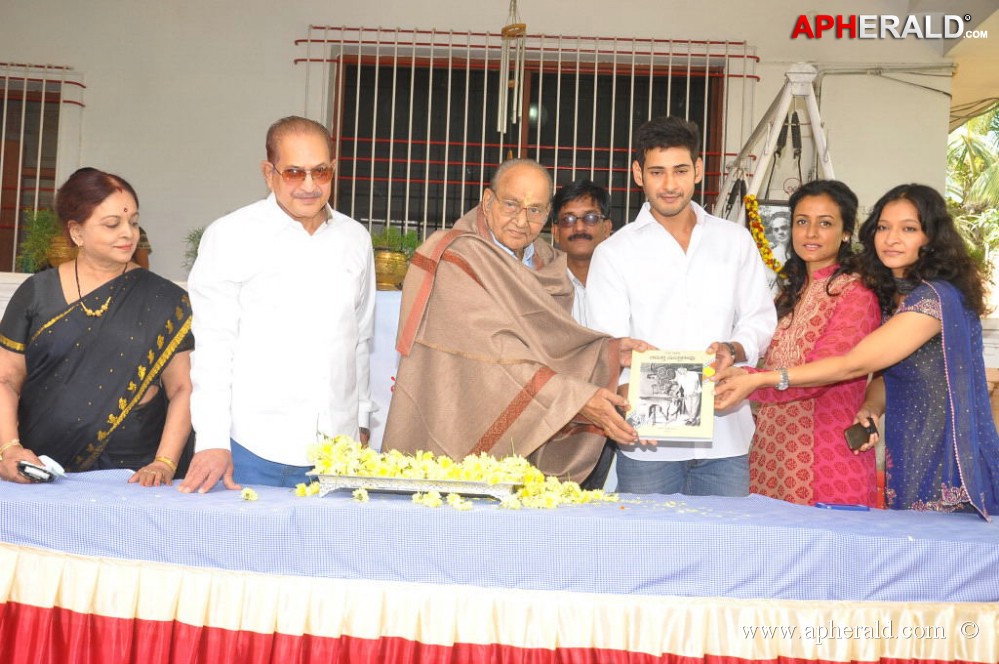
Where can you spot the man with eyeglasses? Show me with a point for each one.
(580, 221)
(283, 293)
(492, 361)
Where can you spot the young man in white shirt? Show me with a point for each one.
(682, 280)
(283, 293)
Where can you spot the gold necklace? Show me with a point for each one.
(93, 313)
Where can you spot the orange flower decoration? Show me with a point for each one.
(759, 234)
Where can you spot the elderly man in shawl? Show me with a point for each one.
(492, 360)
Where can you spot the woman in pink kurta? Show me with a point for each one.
(799, 453)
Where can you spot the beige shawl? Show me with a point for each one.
(491, 359)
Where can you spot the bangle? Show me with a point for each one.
(785, 380)
(14, 442)
(168, 461)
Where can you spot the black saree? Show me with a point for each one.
(82, 400)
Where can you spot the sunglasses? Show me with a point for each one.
(320, 174)
(590, 219)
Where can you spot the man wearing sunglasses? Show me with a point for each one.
(778, 230)
(283, 294)
(491, 359)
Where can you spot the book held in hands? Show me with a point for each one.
(669, 396)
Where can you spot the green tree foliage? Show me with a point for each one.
(973, 184)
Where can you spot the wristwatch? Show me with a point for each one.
(731, 349)
(785, 380)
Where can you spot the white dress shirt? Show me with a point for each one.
(643, 285)
(578, 299)
(283, 322)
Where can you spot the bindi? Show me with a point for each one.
(126, 210)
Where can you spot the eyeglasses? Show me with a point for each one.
(320, 174)
(510, 209)
(590, 219)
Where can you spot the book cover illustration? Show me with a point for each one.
(670, 397)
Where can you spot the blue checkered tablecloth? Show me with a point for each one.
(751, 547)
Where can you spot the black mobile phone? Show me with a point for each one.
(34, 473)
(858, 434)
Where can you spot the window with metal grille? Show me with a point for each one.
(419, 128)
(32, 99)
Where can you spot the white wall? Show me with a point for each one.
(180, 93)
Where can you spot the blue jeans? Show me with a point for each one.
(249, 469)
(698, 477)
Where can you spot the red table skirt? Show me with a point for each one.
(57, 608)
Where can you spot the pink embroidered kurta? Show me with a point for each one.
(799, 453)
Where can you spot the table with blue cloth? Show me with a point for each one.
(93, 568)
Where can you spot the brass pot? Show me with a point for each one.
(60, 251)
(390, 269)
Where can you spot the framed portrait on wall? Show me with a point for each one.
(776, 217)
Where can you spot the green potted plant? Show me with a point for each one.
(393, 249)
(43, 243)
(191, 243)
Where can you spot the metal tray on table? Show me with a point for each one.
(498, 491)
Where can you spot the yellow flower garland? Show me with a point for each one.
(759, 234)
(344, 456)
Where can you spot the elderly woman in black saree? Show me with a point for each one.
(95, 354)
